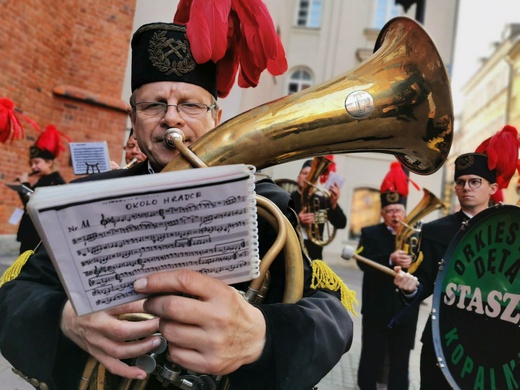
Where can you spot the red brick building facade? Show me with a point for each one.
(63, 63)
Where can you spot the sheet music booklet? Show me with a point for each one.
(103, 235)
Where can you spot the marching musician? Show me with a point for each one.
(44, 172)
(209, 326)
(335, 214)
(380, 302)
(133, 154)
(478, 176)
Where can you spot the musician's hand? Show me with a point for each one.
(401, 258)
(114, 165)
(105, 337)
(23, 178)
(210, 328)
(405, 281)
(334, 195)
(305, 217)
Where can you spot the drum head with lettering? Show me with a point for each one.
(476, 303)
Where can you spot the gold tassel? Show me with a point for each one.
(14, 270)
(324, 277)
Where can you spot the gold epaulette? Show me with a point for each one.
(324, 277)
(14, 270)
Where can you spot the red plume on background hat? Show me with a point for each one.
(502, 154)
(331, 168)
(49, 144)
(394, 188)
(238, 35)
(11, 127)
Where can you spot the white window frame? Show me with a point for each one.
(296, 78)
(309, 13)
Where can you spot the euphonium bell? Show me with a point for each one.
(397, 102)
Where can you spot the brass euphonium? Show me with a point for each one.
(408, 236)
(396, 102)
(317, 201)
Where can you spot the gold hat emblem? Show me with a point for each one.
(170, 55)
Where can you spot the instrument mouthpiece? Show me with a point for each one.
(347, 252)
(171, 135)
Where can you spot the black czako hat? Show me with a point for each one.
(161, 52)
(474, 164)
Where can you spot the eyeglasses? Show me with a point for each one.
(156, 109)
(393, 211)
(472, 183)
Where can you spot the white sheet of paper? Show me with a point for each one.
(16, 216)
(103, 235)
(334, 178)
(89, 157)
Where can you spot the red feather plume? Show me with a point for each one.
(11, 127)
(238, 35)
(395, 180)
(502, 152)
(51, 140)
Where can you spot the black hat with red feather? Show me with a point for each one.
(48, 145)
(495, 159)
(394, 187)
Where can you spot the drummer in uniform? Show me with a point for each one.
(477, 178)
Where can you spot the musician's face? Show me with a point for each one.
(132, 150)
(41, 167)
(474, 200)
(303, 176)
(149, 130)
(392, 214)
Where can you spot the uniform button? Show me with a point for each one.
(43, 386)
(35, 382)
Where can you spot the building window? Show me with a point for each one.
(299, 80)
(309, 13)
(385, 10)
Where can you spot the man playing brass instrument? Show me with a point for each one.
(209, 326)
(335, 214)
(380, 301)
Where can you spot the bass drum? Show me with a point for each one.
(476, 303)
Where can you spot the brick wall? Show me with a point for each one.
(63, 63)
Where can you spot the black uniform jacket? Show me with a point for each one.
(27, 233)
(304, 340)
(380, 299)
(435, 239)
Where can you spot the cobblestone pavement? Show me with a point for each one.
(343, 376)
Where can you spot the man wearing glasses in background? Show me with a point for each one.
(477, 179)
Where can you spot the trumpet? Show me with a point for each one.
(131, 163)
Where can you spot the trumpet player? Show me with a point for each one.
(208, 325)
(380, 302)
(133, 154)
